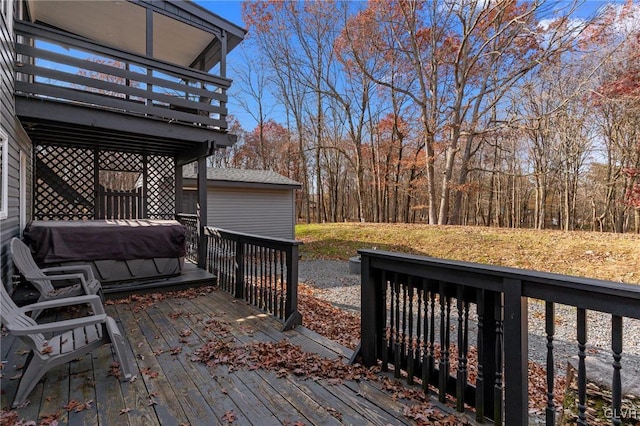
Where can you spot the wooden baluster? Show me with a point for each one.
(405, 325)
(221, 245)
(397, 334)
(255, 277)
(268, 281)
(410, 343)
(245, 266)
(283, 285)
(227, 247)
(463, 341)
(256, 274)
(497, 388)
(582, 372)
(425, 338)
(420, 348)
(616, 384)
(219, 270)
(480, 386)
(221, 263)
(388, 318)
(263, 278)
(274, 278)
(231, 262)
(273, 295)
(550, 330)
(259, 276)
(432, 337)
(445, 313)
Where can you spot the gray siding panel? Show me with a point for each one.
(261, 212)
(18, 140)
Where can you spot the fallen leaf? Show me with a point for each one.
(148, 372)
(229, 416)
(49, 419)
(78, 406)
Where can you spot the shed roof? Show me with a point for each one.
(243, 176)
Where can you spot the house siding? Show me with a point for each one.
(18, 141)
(269, 213)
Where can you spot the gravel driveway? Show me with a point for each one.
(334, 284)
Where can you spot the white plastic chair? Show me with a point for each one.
(70, 339)
(43, 278)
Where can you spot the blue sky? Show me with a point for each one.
(227, 9)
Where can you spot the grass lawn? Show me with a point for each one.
(589, 254)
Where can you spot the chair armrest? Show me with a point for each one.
(65, 325)
(86, 269)
(60, 278)
(65, 277)
(93, 300)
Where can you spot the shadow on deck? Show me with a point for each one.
(164, 335)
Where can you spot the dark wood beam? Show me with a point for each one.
(219, 140)
(29, 108)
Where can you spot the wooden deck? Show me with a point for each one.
(171, 389)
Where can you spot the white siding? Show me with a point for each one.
(269, 213)
(18, 141)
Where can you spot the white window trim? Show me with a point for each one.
(4, 190)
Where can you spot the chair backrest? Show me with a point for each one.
(11, 314)
(28, 267)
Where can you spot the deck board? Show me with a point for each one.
(188, 392)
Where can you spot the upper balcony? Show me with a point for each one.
(123, 72)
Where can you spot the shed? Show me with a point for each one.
(260, 202)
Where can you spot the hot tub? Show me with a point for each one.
(117, 250)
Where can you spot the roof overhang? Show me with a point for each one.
(183, 33)
(212, 183)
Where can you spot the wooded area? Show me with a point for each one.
(495, 113)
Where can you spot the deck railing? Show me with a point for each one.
(261, 270)
(58, 66)
(190, 222)
(411, 305)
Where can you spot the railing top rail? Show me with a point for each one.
(37, 30)
(187, 215)
(250, 237)
(606, 296)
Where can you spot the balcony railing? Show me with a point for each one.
(411, 305)
(261, 270)
(59, 66)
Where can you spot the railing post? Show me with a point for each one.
(487, 304)
(368, 321)
(202, 247)
(291, 313)
(201, 211)
(239, 287)
(515, 354)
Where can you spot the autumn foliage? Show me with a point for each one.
(510, 113)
